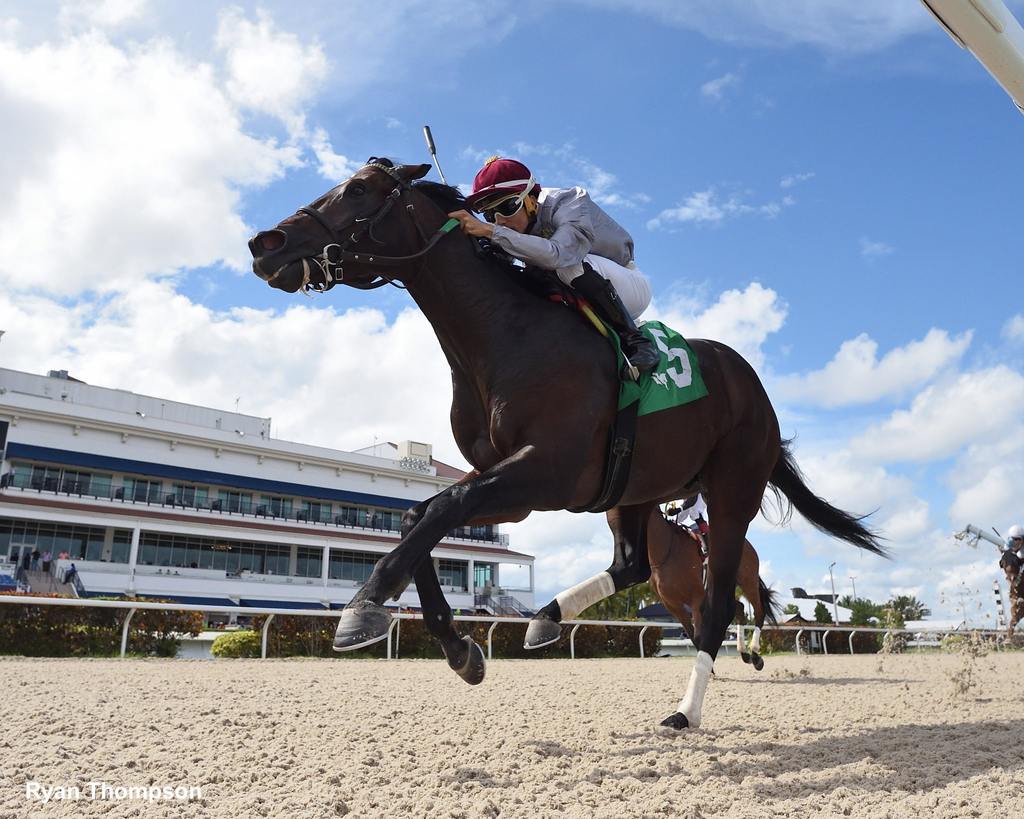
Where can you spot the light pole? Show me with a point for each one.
(853, 580)
(835, 608)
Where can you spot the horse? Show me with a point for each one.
(1011, 566)
(534, 397)
(677, 578)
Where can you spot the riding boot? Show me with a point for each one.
(638, 349)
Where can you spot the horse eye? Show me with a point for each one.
(356, 189)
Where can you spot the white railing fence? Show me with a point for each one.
(393, 633)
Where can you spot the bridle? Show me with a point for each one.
(331, 259)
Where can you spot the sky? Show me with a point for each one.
(831, 188)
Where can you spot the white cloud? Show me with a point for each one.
(707, 207)
(563, 166)
(126, 163)
(269, 70)
(974, 407)
(873, 250)
(716, 89)
(857, 376)
(795, 179)
(743, 319)
(834, 25)
(1013, 330)
(988, 479)
(154, 340)
(331, 165)
(100, 13)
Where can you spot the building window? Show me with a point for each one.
(309, 562)
(350, 516)
(121, 548)
(235, 501)
(317, 511)
(452, 573)
(483, 575)
(186, 494)
(46, 478)
(141, 490)
(355, 566)
(231, 556)
(77, 542)
(279, 507)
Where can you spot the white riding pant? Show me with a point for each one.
(631, 285)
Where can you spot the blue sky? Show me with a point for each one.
(833, 190)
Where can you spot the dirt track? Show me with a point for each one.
(826, 736)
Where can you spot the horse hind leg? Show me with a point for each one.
(733, 504)
(741, 622)
(755, 649)
(630, 565)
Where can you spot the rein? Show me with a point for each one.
(334, 254)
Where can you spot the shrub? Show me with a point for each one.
(237, 644)
(83, 631)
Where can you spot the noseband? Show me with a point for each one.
(335, 253)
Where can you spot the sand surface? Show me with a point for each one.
(820, 736)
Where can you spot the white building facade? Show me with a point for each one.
(154, 498)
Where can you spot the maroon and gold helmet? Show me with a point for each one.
(500, 179)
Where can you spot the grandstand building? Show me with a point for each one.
(154, 498)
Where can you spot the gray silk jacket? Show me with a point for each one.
(569, 225)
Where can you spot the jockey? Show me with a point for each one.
(564, 231)
(695, 509)
(1015, 540)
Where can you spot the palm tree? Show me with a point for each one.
(908, 607)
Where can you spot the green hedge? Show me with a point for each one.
(237, 644)
(298, 636)
(85, 631)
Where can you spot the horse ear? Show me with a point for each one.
(411, 172)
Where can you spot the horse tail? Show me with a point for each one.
(787, 479)
(769, 603)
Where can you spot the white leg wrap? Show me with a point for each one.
(755, 641)
(583, 595)
(690, 705)
(740, 647)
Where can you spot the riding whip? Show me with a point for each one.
(433, 151)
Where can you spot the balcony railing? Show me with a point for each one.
(149, 496)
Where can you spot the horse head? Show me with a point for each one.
(339, 237)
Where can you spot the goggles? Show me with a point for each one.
(508, 208)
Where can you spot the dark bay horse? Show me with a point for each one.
(677, 569)
(1012, 568)
(534, 393)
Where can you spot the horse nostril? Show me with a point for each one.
(268, 241)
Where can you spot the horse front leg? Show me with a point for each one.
(507, 488)
(630, 565)
(463, 654)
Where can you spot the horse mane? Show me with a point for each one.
(450, 199)
(444, 196)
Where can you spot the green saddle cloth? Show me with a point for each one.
(674, 382)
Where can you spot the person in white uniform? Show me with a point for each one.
(567, 232)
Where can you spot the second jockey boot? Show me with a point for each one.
(600, 292)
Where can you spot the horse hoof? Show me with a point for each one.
(361, 624)
(745, 657)
(677, 722)
(542, 632)
(757, 661)
(474, 668)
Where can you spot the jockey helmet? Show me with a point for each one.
(1015, 532)
(500, 179)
